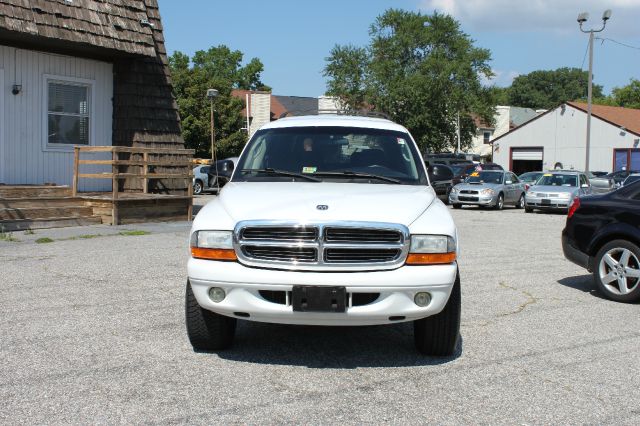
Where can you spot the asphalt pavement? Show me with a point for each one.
(92, 332)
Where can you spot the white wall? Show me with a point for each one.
(26, 159)
(562, 134)
(260, 109)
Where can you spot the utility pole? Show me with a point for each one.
(458, 132)
(582, 18)
(211, 94)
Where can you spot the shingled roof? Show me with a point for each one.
(629, 118)
(120, 25)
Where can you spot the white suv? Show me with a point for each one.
(327, 220)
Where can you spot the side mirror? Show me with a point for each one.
(439, 173)
(230, 166)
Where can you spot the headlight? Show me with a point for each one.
(453, 190)
(431, 250)
(564, 195)
(487, 191)
(213, 245)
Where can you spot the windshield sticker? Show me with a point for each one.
(475, 174)
(401, 141)
(309, 169)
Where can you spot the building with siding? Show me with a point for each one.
(557, 139)
(506, 118)
(81, 72)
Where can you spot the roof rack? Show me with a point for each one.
(356, 113)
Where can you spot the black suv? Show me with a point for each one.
(602, 234)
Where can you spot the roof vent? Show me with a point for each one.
(146, 23)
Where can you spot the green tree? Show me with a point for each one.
(218, 68)
(422, 71)
(549, 88)
(627, 96)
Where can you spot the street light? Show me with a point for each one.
(211, 94)
(582, 18)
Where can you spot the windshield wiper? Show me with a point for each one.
(271, 171)
(350, 173)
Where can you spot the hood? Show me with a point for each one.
(346, 201)
(477, 186)
(553, 188)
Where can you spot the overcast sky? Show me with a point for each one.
(293, 37)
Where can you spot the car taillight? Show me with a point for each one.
(575, 205)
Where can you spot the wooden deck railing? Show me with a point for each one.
(177, 160)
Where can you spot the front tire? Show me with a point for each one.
(438, 335)
(528, 210)
(457, 206)
(499, 202)
(520, 203)
(616, 271)
(197, 187)
(207, 330)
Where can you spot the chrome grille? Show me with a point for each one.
(287, 254)
(351, 255)
(321, 246)
(362, 235)
(298, 233)
(468, 191)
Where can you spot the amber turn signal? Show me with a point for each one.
(213, 254)
(431, 258)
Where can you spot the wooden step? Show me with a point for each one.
(30, 191)
(32, 213)
(21, 203)
(59, 222)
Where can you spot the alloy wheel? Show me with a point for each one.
(619, 271)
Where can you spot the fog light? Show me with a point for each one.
(216, 294)
(422, 299)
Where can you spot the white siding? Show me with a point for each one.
(26, 159)
(3, 89)
(562, 135)
(260, 111)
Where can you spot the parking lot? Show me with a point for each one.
(92, 331)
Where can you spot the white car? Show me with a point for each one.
(327, 220)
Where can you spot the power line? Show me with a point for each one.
(617, 42)
(585, 55)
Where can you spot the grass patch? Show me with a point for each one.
(133, 233)
(7, 236)
(89, 236)
(29, 232)
(44, 240)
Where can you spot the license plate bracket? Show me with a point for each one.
(306, 298)
(546, 202)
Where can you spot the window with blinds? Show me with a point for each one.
(68, 113)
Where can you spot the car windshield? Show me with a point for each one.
(459, 168)
(558, 180)
(315, 154)
(485, 177)
(530, 177)
(631, 179)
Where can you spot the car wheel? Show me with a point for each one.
(197, 187)
(499, 202)
(438, 335)
(207, 330)
(520, 203)
(457, 206)
(617, 271)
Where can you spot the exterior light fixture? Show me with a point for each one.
(16, 89)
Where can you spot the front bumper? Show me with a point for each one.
(547, 203)
(396, 289)
(473, 199)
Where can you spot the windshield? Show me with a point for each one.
(631, 179)
(530, 177)
(485, 177)
(458, 169)
(331, 154)
(558, 180)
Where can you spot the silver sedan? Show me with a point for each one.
(489, 188)
(556, 191)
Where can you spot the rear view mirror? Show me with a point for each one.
(439, 173)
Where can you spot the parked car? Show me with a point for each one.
(599, 174)
(620, 175)
(448, 158)
(206, 179)
(530, 178)
(631, 179)
(555, 190)
(461, 172)
(601, 184)
(488, 188)
(441, 178)
(489, 166)
(602, 235)
(327, 220)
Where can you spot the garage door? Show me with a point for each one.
(534, 154)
